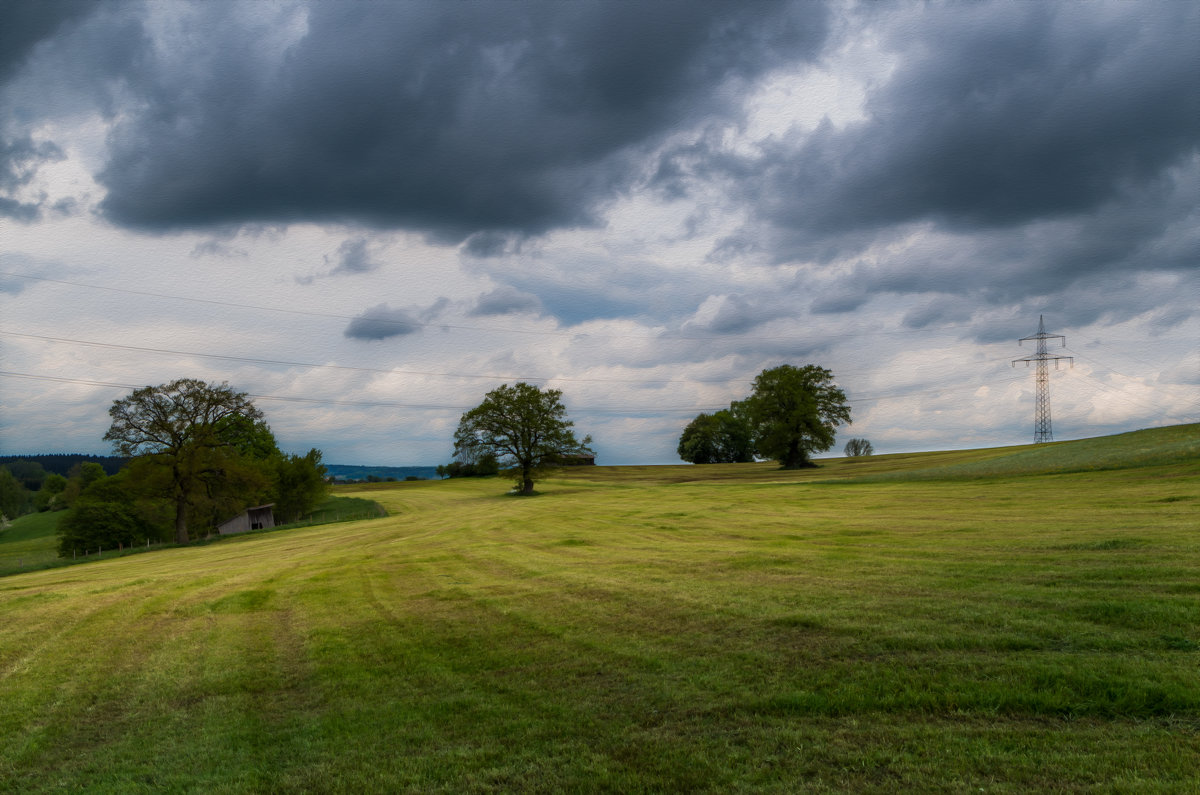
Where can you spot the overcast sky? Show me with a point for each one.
(370, 214)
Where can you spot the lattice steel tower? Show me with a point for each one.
(1041, 409)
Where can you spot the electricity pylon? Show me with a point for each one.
(1041, 409)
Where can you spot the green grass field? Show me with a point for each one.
(29, 543)
(998, 620)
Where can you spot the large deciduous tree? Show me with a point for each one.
(723, 437)
(525, 427)
(180, 426)
(794, 412)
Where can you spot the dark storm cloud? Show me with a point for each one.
(25, 23)
(381, 322)
(1032, 144)
(998, 115)
(1019, 154)
(19, 161)
(506, 301)
(33, 31)
(446, 117)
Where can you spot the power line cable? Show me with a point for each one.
(1111, 369)
(491, 330)
(358, 403)
(389, 371)
(1125, 354)
(1125, 397)
(424, 406)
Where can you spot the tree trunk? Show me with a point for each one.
(796, 457)
(181, 531)
(526, 480)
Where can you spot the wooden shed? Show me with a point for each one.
(257, 518)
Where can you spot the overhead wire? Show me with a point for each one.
(388, 371)
(450, 407)
(354, 403)
(1193, 404)
(480, 376)
(1124, 396)
(488, 329)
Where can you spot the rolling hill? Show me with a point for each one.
(1008, 620)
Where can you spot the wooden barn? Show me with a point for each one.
(257, 518)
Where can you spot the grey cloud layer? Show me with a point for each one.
(381, 322)
(999, 115)
(447, 118)
(353, 257)
(505, 301)
(1015, 150)
(24, 24)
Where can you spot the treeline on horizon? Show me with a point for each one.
(47, 481)
(38, 482)
(61, 463)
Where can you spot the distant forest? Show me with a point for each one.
(61, 463)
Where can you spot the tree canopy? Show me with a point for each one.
(207, 449)
(179, 426)
(14, 497)
(723, 437)
(525, 427)
(858, 448)
(794, 412)
(113, 512)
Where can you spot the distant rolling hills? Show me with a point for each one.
(349, 472)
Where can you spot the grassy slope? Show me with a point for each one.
(639, 629)
(29, 542)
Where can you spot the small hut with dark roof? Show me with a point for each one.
(257, 518)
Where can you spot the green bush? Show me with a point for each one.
(106, 525)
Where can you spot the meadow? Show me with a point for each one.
(999, 620)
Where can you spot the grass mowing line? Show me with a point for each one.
(740, 636)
